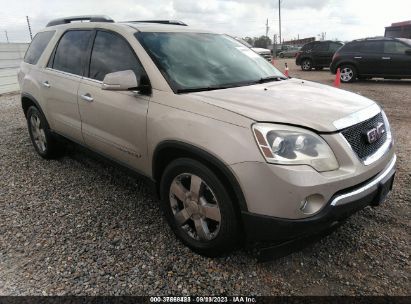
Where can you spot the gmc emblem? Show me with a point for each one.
(375, 133)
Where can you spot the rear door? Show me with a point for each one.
(113, 122)
(369, 58)
(321, 54)
(61, 80)
(395, 61)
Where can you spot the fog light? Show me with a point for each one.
(312, 204)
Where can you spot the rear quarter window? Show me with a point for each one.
(334, 46)
(350, 48)
(37, 47)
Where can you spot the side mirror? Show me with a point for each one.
(120, 81)
(408, 52)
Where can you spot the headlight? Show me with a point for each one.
(287, 145)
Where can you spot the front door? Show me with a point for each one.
(321, 54)
(113, 122)
(370, 57)
(396, 62)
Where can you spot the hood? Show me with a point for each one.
(292, 101)
(261, 50)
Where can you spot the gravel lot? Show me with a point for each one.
(79, 226)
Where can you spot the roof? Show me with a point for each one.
(374, 38)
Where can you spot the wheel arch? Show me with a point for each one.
(27, 101)
(169, 150)
(352, 63)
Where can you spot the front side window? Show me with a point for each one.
(37, 46)
(394, 47)
(334, 46)
(203, 61)
(111, 53)
(70, 53)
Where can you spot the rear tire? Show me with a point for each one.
(348, 73)
(198, 208)
(42, 139)
(306, 65)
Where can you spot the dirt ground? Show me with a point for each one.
(79, 226)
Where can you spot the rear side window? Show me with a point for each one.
(37, 47)
(394, 47)
(307, 47)
(321, 47)
(70, 53)
(112, 53)
(371, 46)
(351, 47)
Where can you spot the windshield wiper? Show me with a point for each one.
(210, 88)
(232, 85)
(271, 78)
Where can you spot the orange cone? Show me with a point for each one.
(337, 81)
(286, 70)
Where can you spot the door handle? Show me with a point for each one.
(46, 84)
(87, 97)
(358, 57)
(386, 58)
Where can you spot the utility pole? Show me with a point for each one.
(279, 19)
(7, 37)
(28, 24)
(266, 28)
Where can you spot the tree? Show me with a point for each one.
(249, 40)
(262, 42)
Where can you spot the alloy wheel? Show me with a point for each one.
(306, 65)
(37, 131)
(347, 74)
(195, 207)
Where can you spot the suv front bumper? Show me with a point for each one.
(260, 228)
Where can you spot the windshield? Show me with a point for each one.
(405, 40)
(199, 61)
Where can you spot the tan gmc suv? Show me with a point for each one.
(239, 153)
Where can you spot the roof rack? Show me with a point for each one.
(374, 38)
(90, 18)
(171, 22)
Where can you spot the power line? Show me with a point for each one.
(28, 24)
(279, 18)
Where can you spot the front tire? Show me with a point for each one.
(306, 65)
(348, 73)
(43, 141)
(198, 208)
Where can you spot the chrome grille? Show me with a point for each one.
(357, 137)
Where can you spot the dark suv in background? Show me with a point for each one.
(317, 54)
(373, 57)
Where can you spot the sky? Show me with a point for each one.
(340, 19)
